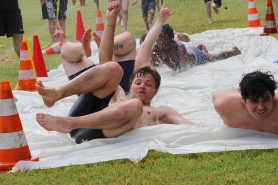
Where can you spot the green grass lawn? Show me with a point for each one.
(233, 167)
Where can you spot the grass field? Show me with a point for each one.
(233, 167)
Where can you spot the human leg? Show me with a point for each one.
(223, 54)
(208, 10)
(17, 38)
(100, 81)
(124, 13)
(72, 54)
(151, 8)
(114, 120)
(97, 4)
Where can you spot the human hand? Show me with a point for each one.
(164, 13)
(134, 2)
(82, 2)
(59, 31)
(41, 2)
(113, 10)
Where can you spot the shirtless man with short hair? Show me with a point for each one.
(253, 106)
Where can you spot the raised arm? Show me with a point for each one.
(107, 41)
(144, 52)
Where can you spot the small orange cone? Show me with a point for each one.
(253, 17)
(99, 24)
(13, 145)
(26, 79)
(54, 49)
(38, 58)
(270, 24)
(80, 30)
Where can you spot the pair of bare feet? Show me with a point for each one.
(204, 49)
(86, 39)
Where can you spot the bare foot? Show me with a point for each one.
(60, 34)
(97, 39)
(86, 40)
(215, 8)
(181, 37)
(236, 50)
(48, 94)
(210, 20)
(119, 22)
(54, 123)
(203, 48)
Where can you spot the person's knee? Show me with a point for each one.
(124, 43)
(114, 69)
(133, 107)
(124, 11)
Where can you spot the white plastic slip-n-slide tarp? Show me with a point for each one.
(188, 92)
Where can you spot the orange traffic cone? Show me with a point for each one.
(99, 24)
(80, 30)
(253, 17)
(26, 79)
(270, 24)
(54, 49)
(13, 145)
(38, 58)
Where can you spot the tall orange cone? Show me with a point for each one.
(99, 24)
(54, 49)
(13, 145)
(80, 30)
(253, 17)
(26, 79)
(38, 58)
(270, 24)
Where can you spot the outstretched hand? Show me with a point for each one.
(164, 13)
(113, 9)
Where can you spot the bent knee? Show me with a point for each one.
(113, 68)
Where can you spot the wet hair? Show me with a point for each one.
(145, 70)
(257, 84)
(142, 38)
(168, 31)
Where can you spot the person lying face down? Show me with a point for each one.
(102, 109)
(170, 51)
(253, 106)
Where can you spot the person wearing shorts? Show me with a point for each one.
(176, 56)
(11, 23)
(49, 12)
(216, 5)
(148, 6)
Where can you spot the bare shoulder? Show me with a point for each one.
(226, 98)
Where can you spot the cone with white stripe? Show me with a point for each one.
(270, 24)
(26, 75)
(54, 49)
(253, 17)
(99, 24)
(13, 145)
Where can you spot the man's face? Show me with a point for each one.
(143, 88)
(261, 108)
(161, 41)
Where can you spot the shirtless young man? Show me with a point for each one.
(105, 110)
(253, 106)
(176, 56)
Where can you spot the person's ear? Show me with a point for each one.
(243, 100)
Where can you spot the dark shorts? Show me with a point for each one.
(200, 56)
(84, 105)
(128, 68)
(49, 9)
(146, 6)
(11, 22)
(218, 2)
